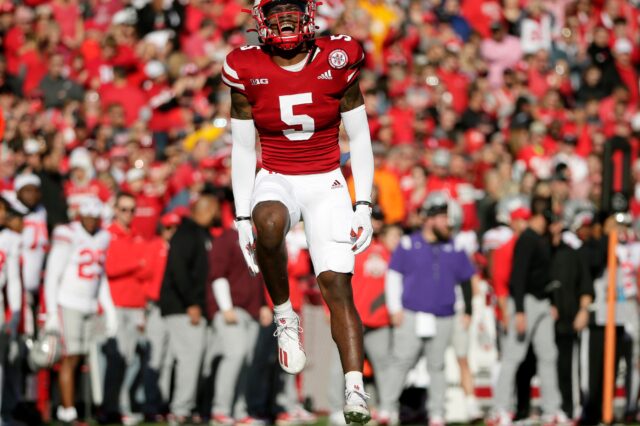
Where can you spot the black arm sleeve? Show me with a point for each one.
(522, 254)
(467, 296)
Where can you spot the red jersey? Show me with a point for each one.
(156, 255)
(502, 263)
(297, 113)
(368, 285)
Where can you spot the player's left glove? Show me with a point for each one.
(361, 230)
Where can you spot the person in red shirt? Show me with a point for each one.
(149, 205)
(33, 63)
(440, 178)
(68, 15)
(14, 40)
(157, 371)
(128, 270)
(455, 82)
(627, 74)
(481, 14)
(195, 46)
(131, 97)
(533, 154)
(501, 265)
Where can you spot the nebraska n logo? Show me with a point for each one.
(325, 75)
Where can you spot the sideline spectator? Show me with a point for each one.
(182, 300)
(422, 309)
(157, 369)
(572, 298)
(235, 310)
(127, 270)
(533, 319)
(35, 237)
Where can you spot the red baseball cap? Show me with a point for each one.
(170, 219)
(521, 213)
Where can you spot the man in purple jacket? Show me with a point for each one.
(420, 290)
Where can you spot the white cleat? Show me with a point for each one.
(290, 352)
(355, 407)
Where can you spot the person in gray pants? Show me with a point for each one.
(532, 319)
(378, 349)
(420, 290)
(236, 304)
(182, 300)
(159, 361)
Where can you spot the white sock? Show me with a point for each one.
(284, 310)
(353, 380)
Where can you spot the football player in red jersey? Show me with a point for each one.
(295, 89)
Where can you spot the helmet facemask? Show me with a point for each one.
(285, 24)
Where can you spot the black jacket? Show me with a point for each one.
(530, 270)
(185, 277)
(570, 270)
(168, 19)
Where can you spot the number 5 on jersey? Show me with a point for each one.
(287, 116)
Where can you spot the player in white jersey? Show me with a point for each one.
(35, 238)
(10, 377)
(75, 283)
(10, 246)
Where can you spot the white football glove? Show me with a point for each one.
(111, 324)
(361, 229)
(247, 245)
(52, 323)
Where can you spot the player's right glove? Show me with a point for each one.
(52, 323)
(247, 245)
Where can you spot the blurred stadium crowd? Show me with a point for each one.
(502, 108)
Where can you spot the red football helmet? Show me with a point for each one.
(290, 32)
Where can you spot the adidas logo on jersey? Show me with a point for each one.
(325, 75)
(336, 184)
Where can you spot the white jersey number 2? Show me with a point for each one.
(288, 117)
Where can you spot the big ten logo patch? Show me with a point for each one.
(259, 81)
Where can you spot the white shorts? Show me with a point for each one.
(78, 329)
(322, 201)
